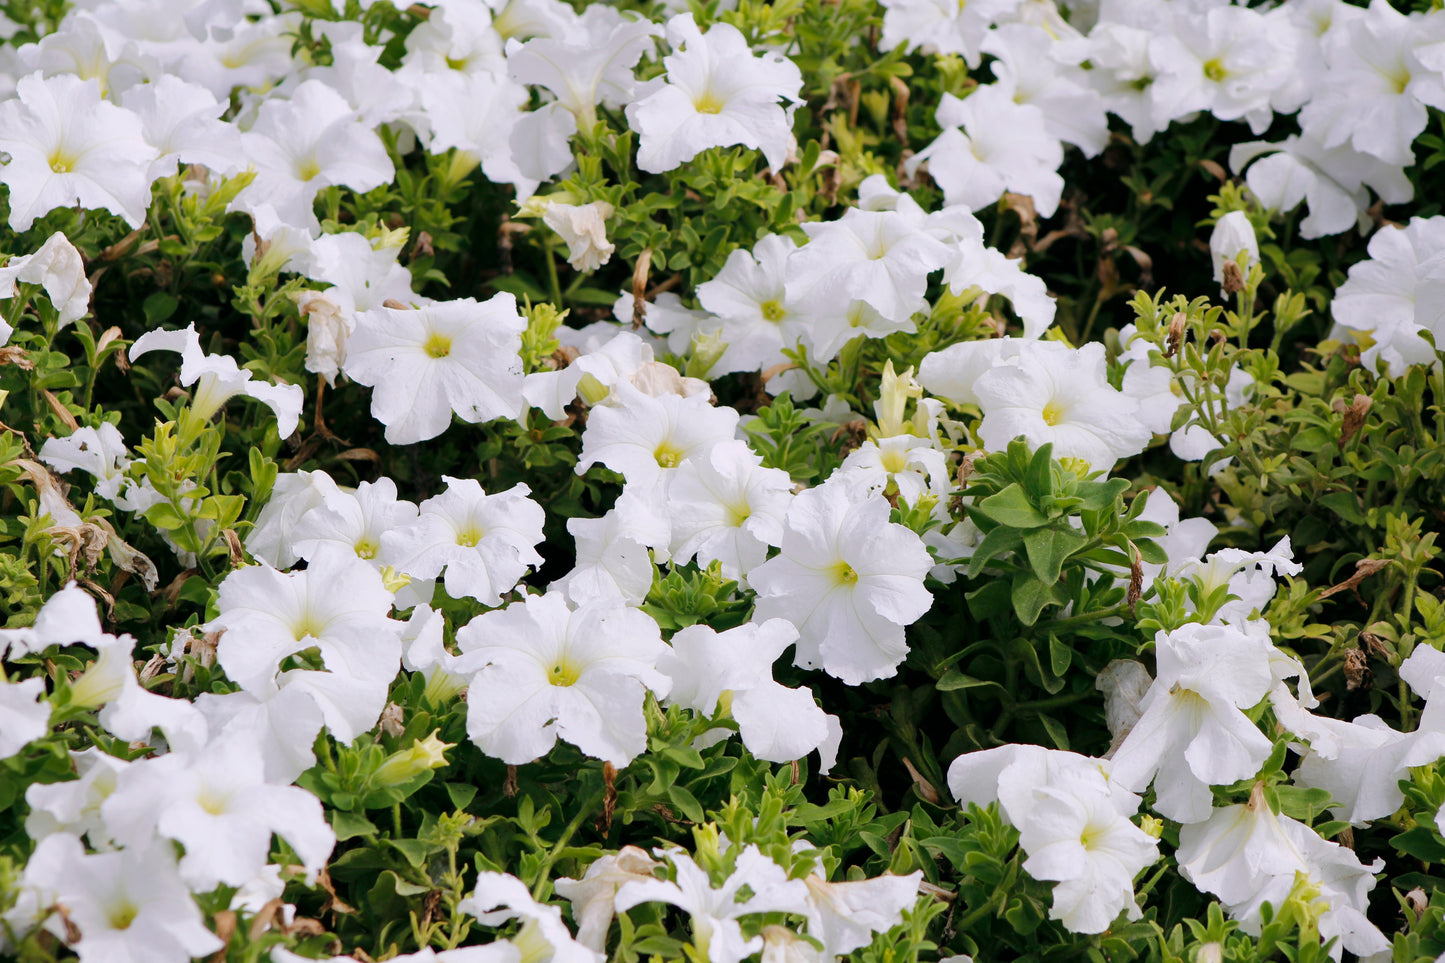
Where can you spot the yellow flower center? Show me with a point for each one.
(772, 311)
(469, 536)
(1214, 70)
(122, 914)
(563, 672)
(213, 803)
(668, 455)
(844, 574)
(307, 169)
(367, 548)
(1053, 413)
(308, 627)
(708, 103)
(61, 161)
(737, 514)
(437, 345)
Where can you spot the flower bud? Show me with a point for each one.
(420, 757)
(1233, 242)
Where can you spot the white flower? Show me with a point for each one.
(126, 906)
(24, 714)
(498, 897)
(100, 452)
(426, 363)
(645, 438)
(592, 895)
(776, 723)
(585, 71)
(1233, 236)
(1248, 855)
(942, 26)
(218, 805)
(715, 912)
(66, 146)
(584, 229)
(544, 671)
(339, 606)
(989, 145)
(844, 916)
(717, 93)
(1396, 294)
(612, 562)
(303, 145)
(1060, 395)
(483, 541)
(58, 268)
(849, 580)
(218, 378)
(880, 257)
(725, 507)
(1192, 732)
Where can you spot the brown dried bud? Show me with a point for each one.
(1233, 278)
(1416, 901)
(1354, 417)
(509, 784)
(391, 720)
(1174, 340)
(1357, 673)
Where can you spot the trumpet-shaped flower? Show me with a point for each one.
(483, 541)
(218, 378)
(58, 268)
(776, 723)
(848, 579)
(67, 146)
(715, 911)
(544, 671)
(339, 607)
(645, 438)
(879, 257)
(1060, 395)
(308, 143)
(24, 714)
(725, 507)
(1192, 732)
(717, 93)
(426, 363)
(1247, 855)
(128, 906)
(584, 71)
(498, 897)
(1396, 294)
(219, 806)
(989, 145)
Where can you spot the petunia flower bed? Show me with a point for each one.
(894, 480)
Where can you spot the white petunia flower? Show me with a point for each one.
(1396, 294)
(715, 911)
(645, 438)
(717, 93)
(24, 714)
(483, 541)
(58, 268)
(849, 580)
(1060, 395)
(66, 146)
(543, 671)
(123, 906)
(990, 145)
(1248, 855)
(219, 806)
(776, 723)
(426, 363)
(725, 507)
(338, 606)
(1192, 732)
(584, 230)
(498, 897)
(218, 378)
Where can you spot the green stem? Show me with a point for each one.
(552, 277)
(544, 870)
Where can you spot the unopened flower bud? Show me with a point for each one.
(1233, 242)
(420, 757)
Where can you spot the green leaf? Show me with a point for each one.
(1421, 843)
(685, 802)
(350, 825)
(1047, 548)
(159, 306)
(1029, 597)
(1057, 733)
(1346, 505)
(1060, 656)
(954, 679)
(1012, 507)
